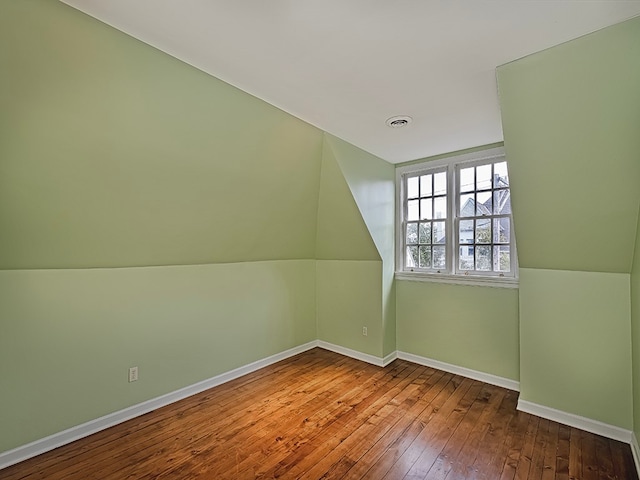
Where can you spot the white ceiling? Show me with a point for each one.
(348, 65)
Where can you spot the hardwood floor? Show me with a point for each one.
(320, 415)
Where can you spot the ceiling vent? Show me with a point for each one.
(399, 121)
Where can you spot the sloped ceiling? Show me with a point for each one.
(347, 66)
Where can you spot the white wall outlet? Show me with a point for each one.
(133, 374)
(364, 331)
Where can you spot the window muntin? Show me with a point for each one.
(483, 241)
(426, 214)
(456, 217)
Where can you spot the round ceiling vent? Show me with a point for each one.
(399, 121)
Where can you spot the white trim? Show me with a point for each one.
(473, 280)
(635, 451)
(389, 358)
(583, 423)
(451, 273)
(488, 154)
(465, 372)
(72, 434)
(348, 352)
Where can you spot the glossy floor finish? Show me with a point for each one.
(320, 415)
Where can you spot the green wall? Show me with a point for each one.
(635, 333)
(342, 233)
(118, 161)
(571, 123)
(469, 326)
(570, 120)
(349, 297)
(116, 154)
(68, 337)
(372, 184)
(575, 343)
(354, 248)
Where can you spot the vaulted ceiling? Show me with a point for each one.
(348, 66)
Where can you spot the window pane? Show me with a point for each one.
(483, 177)
(501, 258)
(466, 180)
(425, 208)
(483, 203)
(440, 207)
(438, 232)
(412, 187)
(501, 230)
(466, 231)
(412, 233)
(412, 257)
(466, 258)
(425, 257)
(440, 183)
(425, 186)
(483, 230)
(480, 221)
(439, 260)
(501, 202)
(425, 233)
(412, 210)
(483, 258)
(467, 205)
(500, 175)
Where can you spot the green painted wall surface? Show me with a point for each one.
(115, 154)
(349, 297)
(341, 233)
(372, 183)
(73, 334)
(571, 119)
(468, 326)
(575, 343)
(635, 333)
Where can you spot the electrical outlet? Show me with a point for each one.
(133, 374)
(364, 331)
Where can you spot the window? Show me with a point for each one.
(455, 220)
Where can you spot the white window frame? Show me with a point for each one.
(451, 273)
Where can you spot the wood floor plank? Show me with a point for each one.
(426, 387)
(514, 445)
(622, 462)
(589, 460)
(454, 448)
(575, 454)
(550, 460)
(486, 465)
(562, 457)
(433, 436)
(528, 449)
(604, 459)
(400, 439)
(436, 448)
(320, 415)
(463, 465)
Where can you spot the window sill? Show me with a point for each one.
(496, 282)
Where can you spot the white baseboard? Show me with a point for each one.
(389, 358)
(59, 439)
(635, 451)
(465, 372)
(583, 423)
(347, 352)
